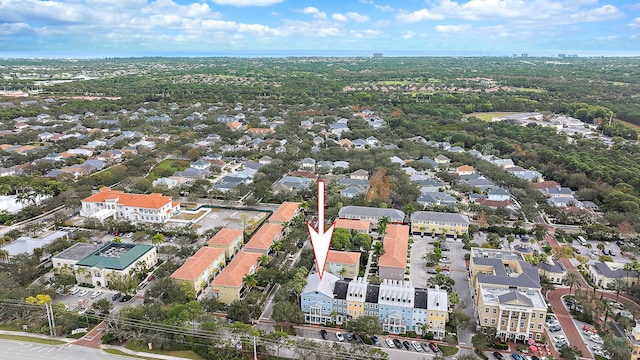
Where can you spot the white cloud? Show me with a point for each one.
(384, 8)
(635, 23)
(606, 12)
(247, 2)
(453, 28)
(634, 6)
(317, 14)
(339, 17)
(357, 17)
(418, 16)
(15, 29)
(408, 35)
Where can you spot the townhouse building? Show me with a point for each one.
(229, 285)
(396, 306)
(432, 223)
(201, 268)
(371, 214)
(359, 226)
(231, 240)
(285, 213)
(317, 298)
(393, 263)
(263, 239)
(345, 264)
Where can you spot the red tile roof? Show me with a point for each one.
(263, 238)
(285, 212)
(225, 236)
(396, 243)
(151, 201)
(343, 257)
(198, 263)
(352, 224)
(545, 185)
(237, 269)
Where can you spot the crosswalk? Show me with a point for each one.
(38, 348)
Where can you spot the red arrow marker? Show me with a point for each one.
(320, 240)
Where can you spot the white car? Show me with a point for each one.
(390, 343)
(596, 339)
(445, 260)
(597, 347)
(416, 346)
(339, 336)
(74, 291)
(95, 294)
(559, 338)
(83, 292)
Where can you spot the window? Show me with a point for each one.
(486, 310)
(493, 321)
(495, 311)
(539, 326)
(541, 315)
(502, 322)
(532, 325)
(486, 320)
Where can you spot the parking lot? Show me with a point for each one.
(84, 298)
(231, 218)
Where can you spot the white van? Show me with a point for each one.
(582, 241)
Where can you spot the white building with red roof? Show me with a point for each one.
(139, 208)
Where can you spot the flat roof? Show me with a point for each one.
(77, 251)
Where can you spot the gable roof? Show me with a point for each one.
(514, 296)
(352, 224)
(343, 257)
(151, 201)
(285, 212)
(529, 277)
(396, 243)
(264, 237)
(197, 264)
(115, 256)
(225, 236)
(324, 286)
(237, 269)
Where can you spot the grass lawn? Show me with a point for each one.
(487, 116)
(187, 216)
(32, 339)
(118, 352)
(187, 354)
(167, 168)
(448, 350)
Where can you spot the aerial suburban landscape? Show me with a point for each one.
(483, 207)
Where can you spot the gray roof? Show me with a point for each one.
(340, 289)
(324, 286)
(363, 211)
(78, 251)
(420, 299)
(607, 272)
(514, 295)
(372, 293)
(529, 277)
(555, 267)
(436, 198)
(439, 217)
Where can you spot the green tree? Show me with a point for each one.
(341, 239)
(571, 279)
(250, 281)
(158, 238)
(367, 325)
(102, 306)
(459, 319)
(287, 312)
(617, 347)
(125, 284)
(618, 285)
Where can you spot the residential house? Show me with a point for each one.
(442, 160)
(345, 144)
(119, 259)
(465, 170)
(317, 298)
(498, 194)
(308, 164)
(353, 191)
(231, 240)
(345, 264)
(362, 298)
(291, 183)
(359, 144)
(285, 213)
(169, 183)
(152, 208)
(359, 175)
(436, 199)
(229, 285)
(429, 161)
(433, 223)
(199, 269)
(437, 313)
(234, 125)
(396, 306)
(263, 239)
(553, 270)
(456, 149)
(393, 263)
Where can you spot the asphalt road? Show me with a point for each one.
(19, 350)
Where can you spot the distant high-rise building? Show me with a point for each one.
(378, 55)
(561, 55)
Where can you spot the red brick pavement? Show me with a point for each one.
(93, 338)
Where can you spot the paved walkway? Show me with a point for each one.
(93, 338)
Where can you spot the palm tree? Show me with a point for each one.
(628, 267)
(600, 246)
(4, 254)
(250, 281)
(382, 226)
(618, 285)
(264, 260)
(617, 347)
(342, 271)
(571, 279)
(378, 248)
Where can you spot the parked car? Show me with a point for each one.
(444, 248)
(559, 338)
(431, 271)
(115, 297)
(397, 343)
(83, 292)
(406, 345)
(588, 330)
(74, 291)
(517, 356)
(445, 260)
(390, 342)
(433, 347)
(596, 339)
(339, 336)
(95, 294)
(324, 334)
(533, 357)
(375, 340)
(498, 355)
(357, 338)
(349, 336)
(416, 346)
(424, 346)
(554, 327)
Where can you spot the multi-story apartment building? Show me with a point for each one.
(360, 226)
(345, 264)
(200, 268)
(285, 213)
(139, 208)
(228, 286)
(431, 223)
(393, 263)
(507, 294)
(371, 214)
(397, 304)
(230, 240)
(263, 239)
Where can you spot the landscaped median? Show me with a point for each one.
(34, 339)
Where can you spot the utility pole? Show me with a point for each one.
(255, 352)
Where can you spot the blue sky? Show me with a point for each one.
(155, 26)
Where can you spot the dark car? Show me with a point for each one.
(397, 343)
(349, 336)
(433, 347)
(424, 347)
(375, 340)
(324, 334)
(498, 355)
(357, 338)
(125, 298)
(619, 243)
(516, 356)
(115, 297)
(444, 248)
(407, 345)
(535, 358)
